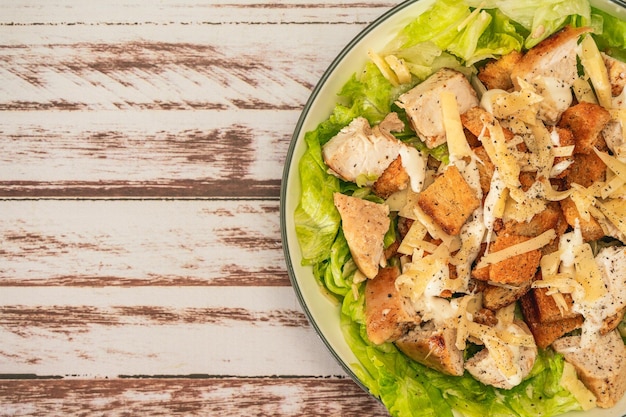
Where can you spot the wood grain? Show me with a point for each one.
(199, 396)
(141, 154)
(73, 12)
(113, 331)
(140, 242)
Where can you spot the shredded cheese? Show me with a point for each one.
(384, 68)
(583, 91)
(588, 274)
(592, 61)
(518, 249)
(399, 67)
(570, 382)
(614, 164)
(458, 147)
(412, 240)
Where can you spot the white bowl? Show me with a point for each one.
(321, 311)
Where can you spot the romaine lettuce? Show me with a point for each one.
(429, 42)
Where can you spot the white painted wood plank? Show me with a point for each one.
(144, 146)
(107, 332)
(190, 11)
(140, 242)
(276, 397)
(174, 67)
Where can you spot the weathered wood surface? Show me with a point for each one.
(141, 153)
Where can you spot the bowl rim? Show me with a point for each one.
(297, 133)
(287, 167)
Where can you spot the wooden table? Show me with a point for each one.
(141, 151)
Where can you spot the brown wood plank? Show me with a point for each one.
(202, 396)
(113, 331)
(99, 243)
(190, 12)
(207, 154)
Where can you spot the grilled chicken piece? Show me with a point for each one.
(617, 74)
(601, 366)
(433, 347)
(424, 109)
(612, 264)
(358, 150)
(388, 315)
(551, 68)
(483, 367)
(364, 225)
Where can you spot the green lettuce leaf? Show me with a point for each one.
(450, 34)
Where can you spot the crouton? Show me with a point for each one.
(585, 121)
(496, 297)
(449, 200)
(515, 270)
(434, 347)
(471, 121)
(486, 168)
(586, 169)
(364, 225)
(546, 333)
(601, 366)
(497, 74)
(540, 222)
(547, 309)
(566, 138)
(388, 315)
(393, 179)
(590, 229)
(423, 107)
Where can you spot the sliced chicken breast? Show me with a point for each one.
(482, 365)
(434, 347)
(551, 68)
(360, 151)
(388, 315)
(601, 366)
(364, 225)
(423, 107)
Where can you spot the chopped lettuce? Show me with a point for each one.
(453, 34)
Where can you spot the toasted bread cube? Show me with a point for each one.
(388, 315)
(590, 229)
(586, 121)
(449, 200)
(515, 270)
(496, 297)
(566, 138)
(393, 179)
(539, 223)
(547, 309)
(497, 74)
(586, 169)
(486, 168)
(471, 121)
(546, 333)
